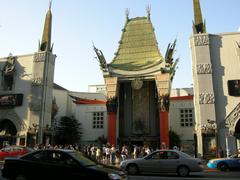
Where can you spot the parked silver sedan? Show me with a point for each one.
(163, 161)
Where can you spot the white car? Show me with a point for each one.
(163, 161)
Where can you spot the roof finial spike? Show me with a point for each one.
(127, 13)
(148, 9)
(47, 30)
(198, 24)
(50, 5)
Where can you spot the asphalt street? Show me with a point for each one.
(207, 174)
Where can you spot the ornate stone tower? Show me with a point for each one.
(204, 99)
(215, 63)
(138, 82)
(26, 93)
(42, 82)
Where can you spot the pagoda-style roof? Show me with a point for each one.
(138, 48)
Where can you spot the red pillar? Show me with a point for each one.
(164, 132)
(112, 128)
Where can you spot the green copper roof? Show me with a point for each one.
(138, 48)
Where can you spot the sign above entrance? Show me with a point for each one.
(9, 100)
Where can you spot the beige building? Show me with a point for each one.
(26, 93)
(182, 119)
(89, 108)
(89, 113)
(216, 77)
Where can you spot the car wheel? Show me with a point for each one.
(183, 171)
(132, 169)
(20, 177)
(222, 166)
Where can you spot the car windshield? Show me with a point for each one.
(84, 161)
(184, 154)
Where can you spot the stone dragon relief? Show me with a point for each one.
(170, 62)
(102, 61)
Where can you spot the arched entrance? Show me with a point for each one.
(8, 132)
(237, 133)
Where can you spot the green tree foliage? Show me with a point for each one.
(174, 139)
(68, 131)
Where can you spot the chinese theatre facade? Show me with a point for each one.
(216, 77)
(26, 93)
(138, 83)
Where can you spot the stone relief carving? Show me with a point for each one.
(39, 57)
(34, 106)
(201, 40)
(206, 98)
(36, 81)
(204, 68)
(8, 72)
(112, 104)
(233, 117)
(164, 102)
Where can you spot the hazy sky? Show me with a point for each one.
(78, 23)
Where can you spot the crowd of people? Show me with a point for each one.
(109, 154)
(49, 146)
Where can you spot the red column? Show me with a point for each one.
(112, 128)
(164, 132)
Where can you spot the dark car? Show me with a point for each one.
(56, 164)
(13, 151)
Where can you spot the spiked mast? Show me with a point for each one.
(198, 25)
(45, 44)
(44, 64)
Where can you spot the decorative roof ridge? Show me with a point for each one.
(124, 29)
(139, 17)
(144, 72)
(150, 67)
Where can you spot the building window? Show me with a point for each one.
(186, 117)
(98, 119)
(234, 87)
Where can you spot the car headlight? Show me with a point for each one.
(114, 176)
(213, 162)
